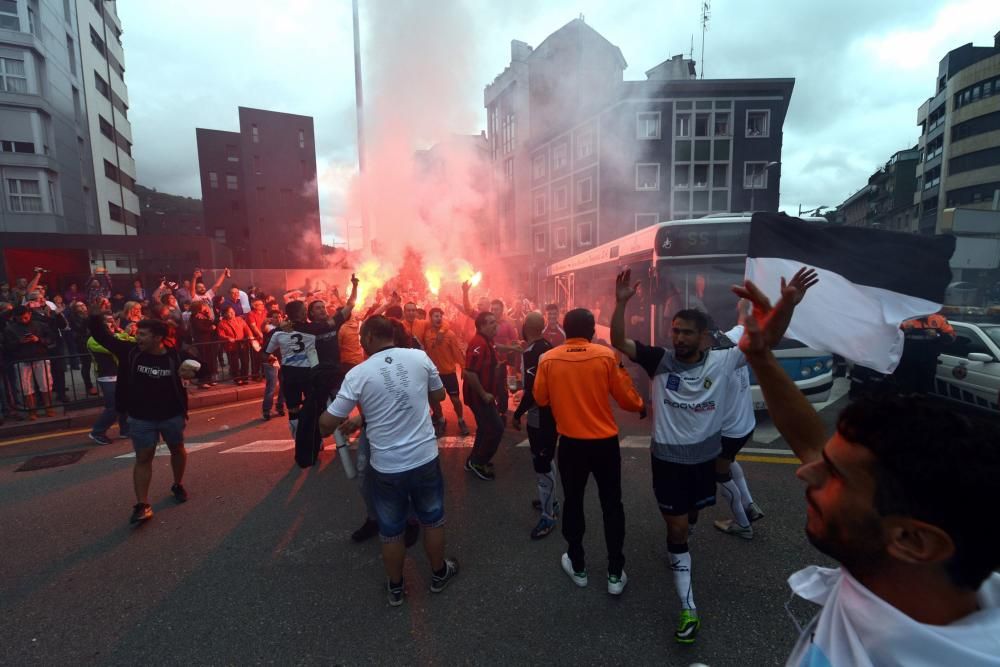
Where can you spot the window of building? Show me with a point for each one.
(234, 206)
(647, 125)
(302, 138)
(584, 144)
(254, 134)
(256, 164)
(102, 85)
(647, 176)
(560, 198)
(213, 180)
(755, 175)
(643, 220)
(720, 175)
(67, 14)
(106, 128)
(220, 235)
(682, 175)
(13, 78)
(53, 198)
(111, 171)
(701, 176)
(8, 16)
(115, 212)
(540, 204)
(701, 124)
(232, 182)
(758, 123)
(585, 190)
(560, 156)
(508, 173)
(538, 167)
(32, 22)
(585, 233)
(722, 124)
(71, 54)
(539, 241)
(560, 239)
(683, 125)
(98, 43)
(16, 146)
(508, 132)
(24, 195)
(232, 153)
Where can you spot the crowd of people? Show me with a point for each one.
(895, 495)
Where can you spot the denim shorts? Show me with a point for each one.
(394, 493)
(145, 434)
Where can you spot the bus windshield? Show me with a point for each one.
(703, 285)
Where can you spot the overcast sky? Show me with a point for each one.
(861, 67)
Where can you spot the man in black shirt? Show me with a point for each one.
(541, 425)
(149, 390)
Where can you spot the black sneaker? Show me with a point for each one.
(141, 512)
(180, 493)
(266, 416)
(394, 594)
(537, 504)
(450, 572)
(479, 470)
(100, 438)
(412, 534)
(368, 530)
(281, 412)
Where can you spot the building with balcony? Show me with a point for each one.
(960, 136)
(581, 157)
(886, 201)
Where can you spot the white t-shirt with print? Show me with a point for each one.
(857, 628)
(737, 413)
(390, 388)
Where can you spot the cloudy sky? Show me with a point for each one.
(861, 67)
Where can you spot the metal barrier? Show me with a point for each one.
(40, 386)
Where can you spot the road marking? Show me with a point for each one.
(761, 450)
(770, 459)
(81, 431)
(163, 450)
(456, 442)
(262, 446)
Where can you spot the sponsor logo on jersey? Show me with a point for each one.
(673, 382)
(706, 406)
(388, 360)
(708, 383)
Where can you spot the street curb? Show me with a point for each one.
(75, 419)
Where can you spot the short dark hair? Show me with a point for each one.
(936, 466)
(165, 298)
(694, 316)
(579, 323)
(410, 303)
(497, 302)
(394, 311)
(378, 327)
(155, 327)
(295, 309)
(481, 319)
(552, 306)
(435, 310)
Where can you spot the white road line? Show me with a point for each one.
(161, 449)
(456, 442)
(760, 450)
(259, 446)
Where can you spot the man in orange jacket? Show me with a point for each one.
(574, 380)
(441, 345)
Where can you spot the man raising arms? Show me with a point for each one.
(441, 345)
(899, 495)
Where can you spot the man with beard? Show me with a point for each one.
(690, 389)
(901, 496)
(207, 296)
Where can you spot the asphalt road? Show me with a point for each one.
(258, 567)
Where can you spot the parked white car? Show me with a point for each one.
(968, 369)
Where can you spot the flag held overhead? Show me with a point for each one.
(871, 280)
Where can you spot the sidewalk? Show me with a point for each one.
(81, 418)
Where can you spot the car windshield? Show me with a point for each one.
(993, 332)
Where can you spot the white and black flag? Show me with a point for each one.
(870, 281)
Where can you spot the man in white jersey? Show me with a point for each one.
(689, 391)
(392, 388)
(902, 495)
(297, 356)
(738, 424)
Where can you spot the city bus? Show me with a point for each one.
(678, 264)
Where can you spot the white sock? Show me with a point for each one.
(680, 565)
(293, 425)
(547, 492)
(732, 495)
(741, 482)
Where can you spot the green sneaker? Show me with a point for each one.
(687, 627)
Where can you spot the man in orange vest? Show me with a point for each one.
(924, 338)
(441, 345)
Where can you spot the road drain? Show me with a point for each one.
(51, 461)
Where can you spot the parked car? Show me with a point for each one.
(968, 369)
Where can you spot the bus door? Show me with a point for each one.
(566, 290)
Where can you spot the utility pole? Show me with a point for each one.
(359, 101)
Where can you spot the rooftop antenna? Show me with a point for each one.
(706, 14)
(691, 52)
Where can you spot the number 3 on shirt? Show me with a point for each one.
(299, 345)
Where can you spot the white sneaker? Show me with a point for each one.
(730, 527)
(578, 578)
(617, 584)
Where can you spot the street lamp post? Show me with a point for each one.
(753, 180)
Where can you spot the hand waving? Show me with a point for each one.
(624, 289)
(767, 324)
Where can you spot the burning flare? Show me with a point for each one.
(433, 276)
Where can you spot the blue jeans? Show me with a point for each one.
(393, 494)
(110, 414)
(270, 387)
